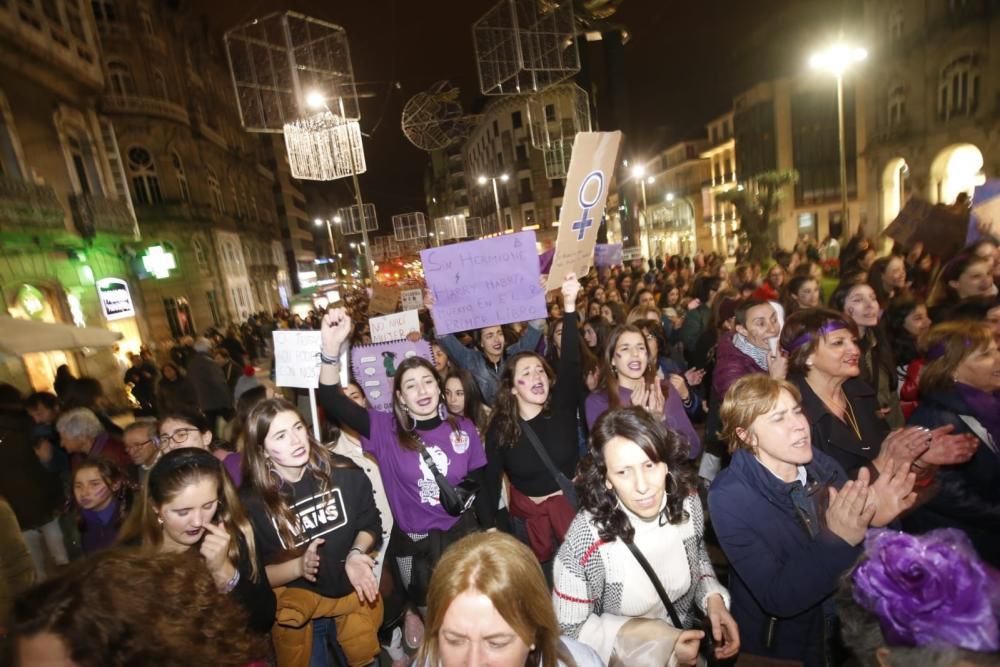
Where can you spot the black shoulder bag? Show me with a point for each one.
(701, 620)
(564, 482)
(455, 500)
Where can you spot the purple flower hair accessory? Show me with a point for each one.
(929, 589)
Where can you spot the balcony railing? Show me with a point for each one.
(146, 106)
(174, 211)
(29, 208)
(94, 214)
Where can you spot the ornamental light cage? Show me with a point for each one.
(324, 147)
(523, 46)
(409, 226)
(450, 227)
(351, 219)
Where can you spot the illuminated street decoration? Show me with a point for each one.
(32, 301)
(158, 261)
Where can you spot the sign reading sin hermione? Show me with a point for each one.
(116, 302)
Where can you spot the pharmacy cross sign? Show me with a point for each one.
(158, 261)
(587, 204)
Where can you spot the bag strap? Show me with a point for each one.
(443, 484)
(540, 450)
(664, 598)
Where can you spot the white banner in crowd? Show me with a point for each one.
(393, 327)
(590, 171)
(411, 299)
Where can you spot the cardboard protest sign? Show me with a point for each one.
(985, 214)
(384, 299)
(591, 168)
(411, 299)
(375, 367)
(296, 359)
(393, 327)
(482, 283)
(608, 254)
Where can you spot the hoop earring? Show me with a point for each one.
(442, 411)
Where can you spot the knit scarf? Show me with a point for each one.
(758, 355)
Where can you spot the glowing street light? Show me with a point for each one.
(315, 99)
(669, 197)
(836, 59)
(503, 178)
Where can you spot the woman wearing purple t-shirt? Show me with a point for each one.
(630, 379)
(419, 420)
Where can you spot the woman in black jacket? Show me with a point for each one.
(958, 388)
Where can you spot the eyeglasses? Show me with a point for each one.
(139, 445)
(179, 436)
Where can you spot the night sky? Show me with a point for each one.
(684, 64)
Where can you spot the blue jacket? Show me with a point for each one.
(778, 570)
(968, 495)
(487, 375)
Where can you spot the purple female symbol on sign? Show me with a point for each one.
(585, 221)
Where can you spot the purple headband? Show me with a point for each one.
(829, 327)
(929, 589)
(938, 349)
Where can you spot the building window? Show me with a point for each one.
(218, 203)
(160, 83)
(550, 112)
(254, 211)
(521, 152)
(895, 24)
(200, 256)
(529, 216)
(213, 306)
(10, 162)
(182, 181)
(84, 163)
(958, 92)
(145, 183)
(496, 128)
(526, 188)
(104, 10)
(120, 77)
(236, 198)
(897, 106)
(178, 316)
(515, 120)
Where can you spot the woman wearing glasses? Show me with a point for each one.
(190, 428)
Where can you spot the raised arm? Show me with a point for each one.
(569, 388)
(335, 331)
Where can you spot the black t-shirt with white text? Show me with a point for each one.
(337, 514)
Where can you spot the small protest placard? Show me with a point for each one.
(393, 327)
(591, 168)
(375, 367)
(482, 283)
(985, 217)
(628, 254)
(411, 299)
(384, 299)
(608, 254)
(296, 359)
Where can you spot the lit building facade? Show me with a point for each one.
(721, 221)
(933, 90)
(791, 123)
(673, 220)
(66, 226)
(202, 188)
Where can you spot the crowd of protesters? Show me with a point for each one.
(544, 492)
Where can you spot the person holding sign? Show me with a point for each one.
(431, 462)
(533, 438)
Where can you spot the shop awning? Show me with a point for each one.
(19, 336)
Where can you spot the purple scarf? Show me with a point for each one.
(983, 406)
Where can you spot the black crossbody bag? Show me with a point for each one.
(455, 500)
(701, 620)
(564, 482)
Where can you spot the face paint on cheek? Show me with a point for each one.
(521, 383)
(102, 493)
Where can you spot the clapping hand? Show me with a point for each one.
(947, 448)
(850, 511)
(309, 561)
(893, 493)
(904, 446)
(360, 568)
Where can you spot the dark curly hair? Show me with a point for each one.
(124, 607)
(661, 445)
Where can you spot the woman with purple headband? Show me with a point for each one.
(843, 410)
(916, 601)
(959, 388)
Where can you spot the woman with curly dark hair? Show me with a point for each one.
(637, 489)
(125, 607)
(535, 415)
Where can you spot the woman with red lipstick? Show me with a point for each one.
(537, 411)
(824, 362)
(418, 429)
(189, 504)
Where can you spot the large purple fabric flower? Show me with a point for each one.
(929, 589)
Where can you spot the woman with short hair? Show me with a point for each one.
(790, 521)
(638, 490)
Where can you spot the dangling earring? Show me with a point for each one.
(413, 419)
(442, 411)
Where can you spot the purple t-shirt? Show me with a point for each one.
(410, 487)
(674, 415)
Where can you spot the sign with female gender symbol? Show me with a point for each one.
(590, 170)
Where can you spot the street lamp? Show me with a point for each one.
(503, 178)
(639, 175)
(836, 59)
